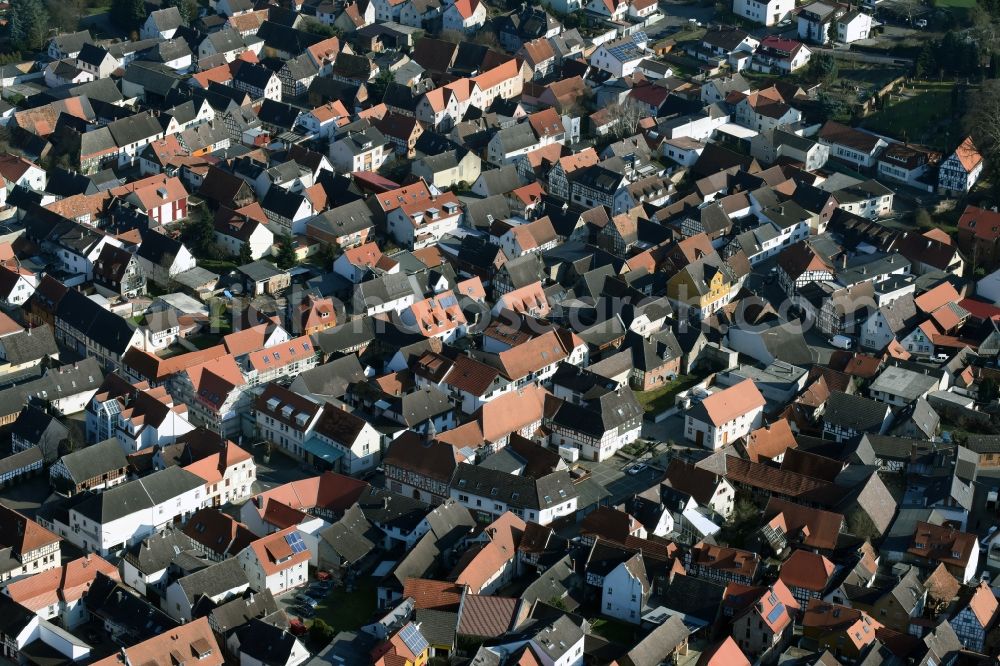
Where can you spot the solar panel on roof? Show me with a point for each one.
(413, 639)
(775, 613)
(294, 541)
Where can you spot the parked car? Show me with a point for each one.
(842, 342)
(920, 23)
(316, 593)
(304, 611)
(306, 600)
(637, 469)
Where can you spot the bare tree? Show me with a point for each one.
(625, 118)
(983, 121)
(909, 8)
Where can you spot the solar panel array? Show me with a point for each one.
(413, 639)
(295, 542)
(775, 613)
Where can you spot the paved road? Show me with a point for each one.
(621, 485)
(26, 496)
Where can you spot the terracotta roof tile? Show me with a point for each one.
(434, 594)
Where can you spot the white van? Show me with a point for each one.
(842, 342)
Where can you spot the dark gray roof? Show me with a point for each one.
(331, 379)
(265, 643)
(349, 537)
(347, 219)
(140, 127)
(119, 605)
(253, 75)
(260, 270)
(236, 613)
(140, 494)
(95, 460)
(20, 460)
(516, 491)
(300, 68)
(159, 550)
(854, 412)
(215, 580)
(417, 563)
(226, 39)
(389, 287)
(502, 180)
(983, 443)
(103, 327)
(438, 627)
(356, 332)
(167, 19)
(607, 413)
(659, 644)
(32, 344)
(72, 42)
(362, 141)
(697, 597)
(560, 581)
(57, 382)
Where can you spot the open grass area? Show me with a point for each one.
(659, 399)
(963, 4)
(615, 631)
(220, 266)
(205, 341)
(917, 118)
(99, 8)
(349, 611)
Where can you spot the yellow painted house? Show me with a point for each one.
(701, 287)
(407, 647)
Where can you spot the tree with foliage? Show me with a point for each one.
(188, 8)
(286, 252)
(320, 632)
(246, 254)
(128, 15)
(199, 235)
(377, 88)
(926, 64)
(830, 107)
(326, 255)
(65, 15)
(315, 27)
(29, 24)
(823, 68)
(988, 390)
(923, 219)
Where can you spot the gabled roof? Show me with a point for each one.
(728, 404)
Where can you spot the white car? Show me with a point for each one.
(941, 358)
(638, 469)
(920, 23)
(842, 342)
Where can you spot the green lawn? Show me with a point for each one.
(615, 631)
(917, 119)
(97, 9)
(349, 611)
(659, 399)
(205, 341)
(964, 4)
(220, 266)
